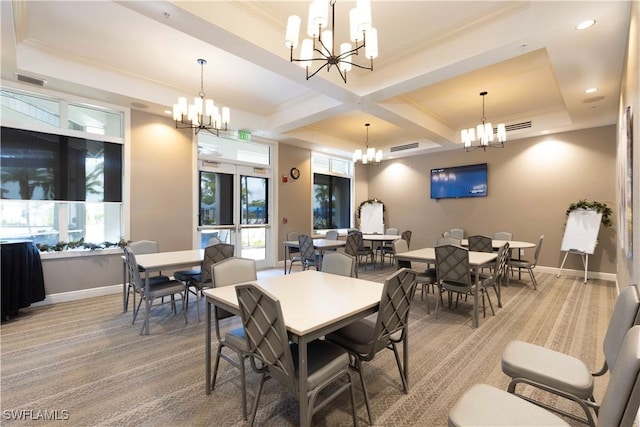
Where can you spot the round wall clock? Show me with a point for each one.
(295, 173)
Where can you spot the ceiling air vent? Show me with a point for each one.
(518, 126)
(404, 147)
(31, 80)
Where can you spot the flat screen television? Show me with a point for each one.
(459, 181)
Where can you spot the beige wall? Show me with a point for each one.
(161, 182)
(628, 270)
(531, 183)
(294, 196)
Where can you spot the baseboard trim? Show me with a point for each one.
(78, 295)
(580, 273)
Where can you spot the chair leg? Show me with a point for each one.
(364, 389)
(533, 279)
(257, 400)
(215, 367)
(401, 369)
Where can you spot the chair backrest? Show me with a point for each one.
(358, 234)
(623, 317)
(448, 240)
(480, 244)
(393, 311)
(351, 247)
(458, 233)
(452, 267)
(502, 235)
(502, 263)
(234, 270)
(331, 235)
(400, 246)
(144, 247)
(132, 268)
(445, 234)
(406, 236)
(535, 256)
(292, 236)
(391, 231)
(339, 263)
(213, 241)
(621, 400)
(266, 332)
(212, 255)
(307, 251)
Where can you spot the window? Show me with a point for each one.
(332, 202)
(56, 187)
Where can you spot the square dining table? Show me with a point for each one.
(313, 304)
(320, 244)
(477, 260)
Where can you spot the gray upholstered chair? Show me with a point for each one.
(141, 247)
(355, 247)
(363, 251)
(406, 236)
(339, 263)
(457, 233)
(308, 252)
(454, 275)
(386, 249)
(228, 272)
(529, 265)
(365, 338)
(502, 235)
(565, 375)
(479, 243)
(500, 273)
(332, 235)
(157, 289)
(425, 278)
(448, 240)
(294, 253)
(484, 405)
(198, 279)
(268, 343)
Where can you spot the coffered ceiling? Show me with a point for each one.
(435, 57)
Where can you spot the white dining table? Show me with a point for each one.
(477, 260)
(513, 244)
(148, 263)
(380, 239)
(313, 304)
(319, 244)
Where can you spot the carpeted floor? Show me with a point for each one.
(84, 361)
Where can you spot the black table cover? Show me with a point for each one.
(22, 278)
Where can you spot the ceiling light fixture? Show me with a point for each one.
(484, 133)
(202, 114)
(370, 155)
(585, 24)
(361, 33)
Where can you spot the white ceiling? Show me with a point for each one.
(435, 57)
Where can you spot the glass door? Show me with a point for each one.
(234, 207)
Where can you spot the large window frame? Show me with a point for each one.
(67, 219)
(331, 208)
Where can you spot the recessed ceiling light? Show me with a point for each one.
(168, 112)
(585, 24)
(591, 90)
(544, 132)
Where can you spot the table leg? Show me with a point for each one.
(405, 355)
(125, 302)
(475, 299)
(302, 382)
(286, 256)
(207, 349)
(145, 327)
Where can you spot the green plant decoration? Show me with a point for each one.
(370, 201)
(596, 206)
(62, 246)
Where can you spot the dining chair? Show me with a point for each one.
(365, 338)
(294, 253)
(502, 235)
(458, 233)
(567, 376)
(268, 343)
(425, 278)
(500, 273)
(529, 265)
(385, 249)
(484, 405)
(339, 263)
(406, 236)
(448, 240)
(454, 275)
(355, 247)
(308, 252)
(228, 272)
(141, 247)
(198, 279)
(332, 235)
(157, 289)
(478, 243)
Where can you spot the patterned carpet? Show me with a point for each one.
(84, 361)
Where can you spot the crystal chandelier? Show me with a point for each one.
(324, 51)
(484, 133)
(202, 114)
(369, 155)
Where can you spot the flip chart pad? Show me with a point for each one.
(581, 233)
(371, 218)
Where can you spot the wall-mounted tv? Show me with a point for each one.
(459, 181)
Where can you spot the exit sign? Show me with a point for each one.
(244, 135)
